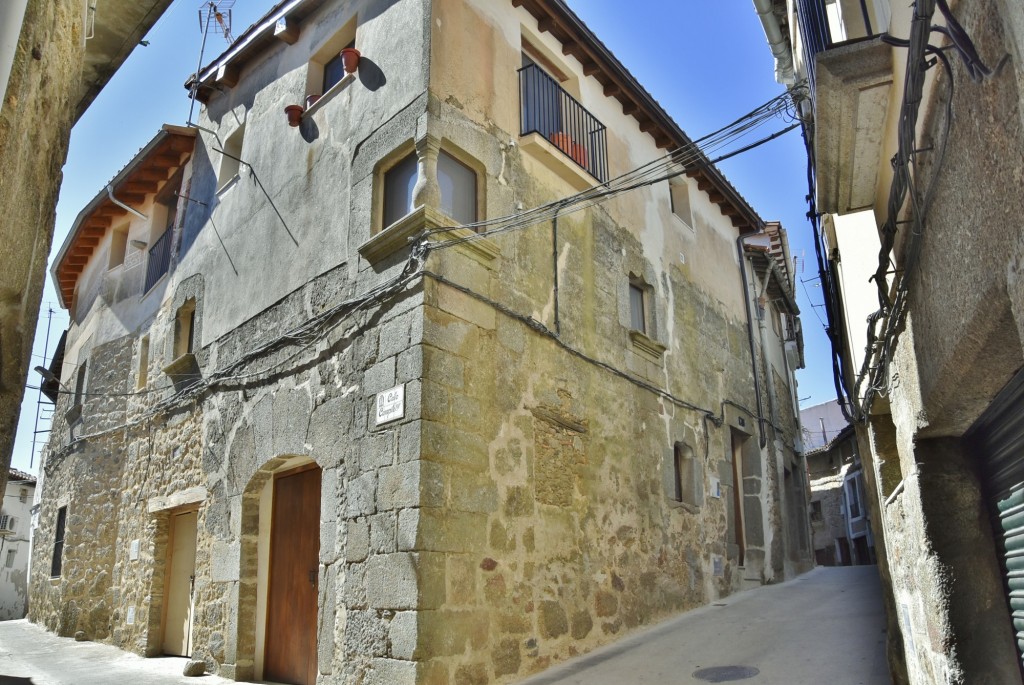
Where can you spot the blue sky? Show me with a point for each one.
(707, 63)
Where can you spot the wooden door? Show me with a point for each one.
(181, 570)
(290, 654)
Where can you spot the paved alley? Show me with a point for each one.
(823, 627)
(31, 656)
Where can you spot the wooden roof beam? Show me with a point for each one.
(287, 30)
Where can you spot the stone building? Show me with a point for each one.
(55, 57)
(328, 416)
(15, 541)
(916, 137)
(840, 523)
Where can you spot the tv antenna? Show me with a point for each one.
(214, 17)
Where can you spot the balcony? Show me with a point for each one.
(159, 260)
(850, 73)
(550, 113)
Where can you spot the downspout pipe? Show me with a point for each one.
(776, 41)
(762, 433)
(110, 194)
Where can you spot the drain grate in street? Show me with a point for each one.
(725, 674)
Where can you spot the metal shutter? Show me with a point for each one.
(998, 437)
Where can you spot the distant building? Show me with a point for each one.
(840, 522)
(15, 530)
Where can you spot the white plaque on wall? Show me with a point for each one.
(391, 404)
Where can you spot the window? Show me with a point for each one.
(326, 68)
(334, 69)
(637, 313)
(58, 543)
(118, 246)
(11, 554)
(679, 193)
(399, 182)
(23, 495)
(4, 520)
(816, 510)
(458, 188)
(81, 380)
(184, 329)
(853, 499)
(688, 480)
(229, 161)
(143, 376)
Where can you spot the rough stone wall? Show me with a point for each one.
(35, 126)
(961, 342)
(86, 478)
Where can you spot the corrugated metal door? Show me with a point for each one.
(999, 437)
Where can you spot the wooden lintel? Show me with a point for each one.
(287, 29)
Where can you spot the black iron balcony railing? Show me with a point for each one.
(159, 259)
(546, 108)
(818, 36)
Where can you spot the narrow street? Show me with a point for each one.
(826, 626)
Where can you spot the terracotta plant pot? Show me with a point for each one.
(311, 100)
(350, 56)
(294, 113)
(565, 143)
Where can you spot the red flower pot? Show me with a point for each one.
(350, 56)
(294, 113)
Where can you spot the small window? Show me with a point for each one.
(143, 375)
(688, 480)
(118, 246)
(58, 543)
(184, 329)
(399, 182)
(23, 495)
(229, 161)
(11, 554)
(637, 312)
(679, 192)
(853, 499)
(334, 69)
(458, 188)
(816, 510)
(81, 380)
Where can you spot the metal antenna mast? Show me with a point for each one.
(39, 398)
(214, 17)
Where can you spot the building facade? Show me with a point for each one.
(15, 543)
(414, 391)
(840, 522)
(915, 134)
